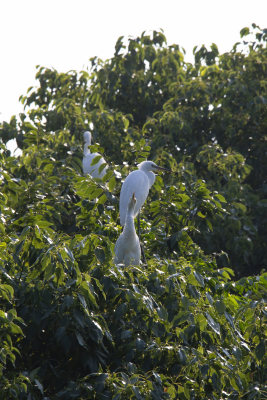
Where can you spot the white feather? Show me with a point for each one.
(88, 157)
(127, 248)
(138, 182)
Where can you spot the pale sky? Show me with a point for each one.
(64, 34)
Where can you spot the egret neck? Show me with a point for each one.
(129, 228)
(87, 140)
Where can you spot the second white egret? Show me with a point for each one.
(138, 182)
(94, 170)
(127, 248)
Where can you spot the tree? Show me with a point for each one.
(190, 323)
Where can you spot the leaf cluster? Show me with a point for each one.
(191, 322)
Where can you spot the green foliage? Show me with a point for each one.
(191, 322)
(11, 382)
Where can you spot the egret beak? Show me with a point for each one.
(163, 169)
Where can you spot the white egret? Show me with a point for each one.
(127, 248)
(88, 158)
(138, 182)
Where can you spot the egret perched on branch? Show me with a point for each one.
(127, 248)
(94, 170)
(138, 182)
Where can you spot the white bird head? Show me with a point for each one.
(87, 137)
(147, 166)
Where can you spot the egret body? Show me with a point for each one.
(88, 157)
(127, 248)
(138, 182)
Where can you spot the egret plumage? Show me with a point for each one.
(94, 170)
(127, 248)
(138, 182)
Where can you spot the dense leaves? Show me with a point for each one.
(190, 323)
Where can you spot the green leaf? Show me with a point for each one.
(7, 292)
(120, 311)
(162, 313)
(102, 199)
(244, 32)
(210, 298)
(83, 301)
(215, 326)
(220, 306)
(220, 197)
(229, 319)
(96, 159)
(112, 183)
(100, 254)
(100, 287)
(199, 278)
(15, 329)
(201, 320)
(182, 356)
(237, 353)
(201, 215)
(96, 331)
(96, 193)
(39, 385)
(80, 340)
(88, 293)
(260, 350)
(209, 224)
(70, 254)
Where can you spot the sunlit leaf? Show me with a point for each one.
(215, 326)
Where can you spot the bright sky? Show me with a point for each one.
(64, 34)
